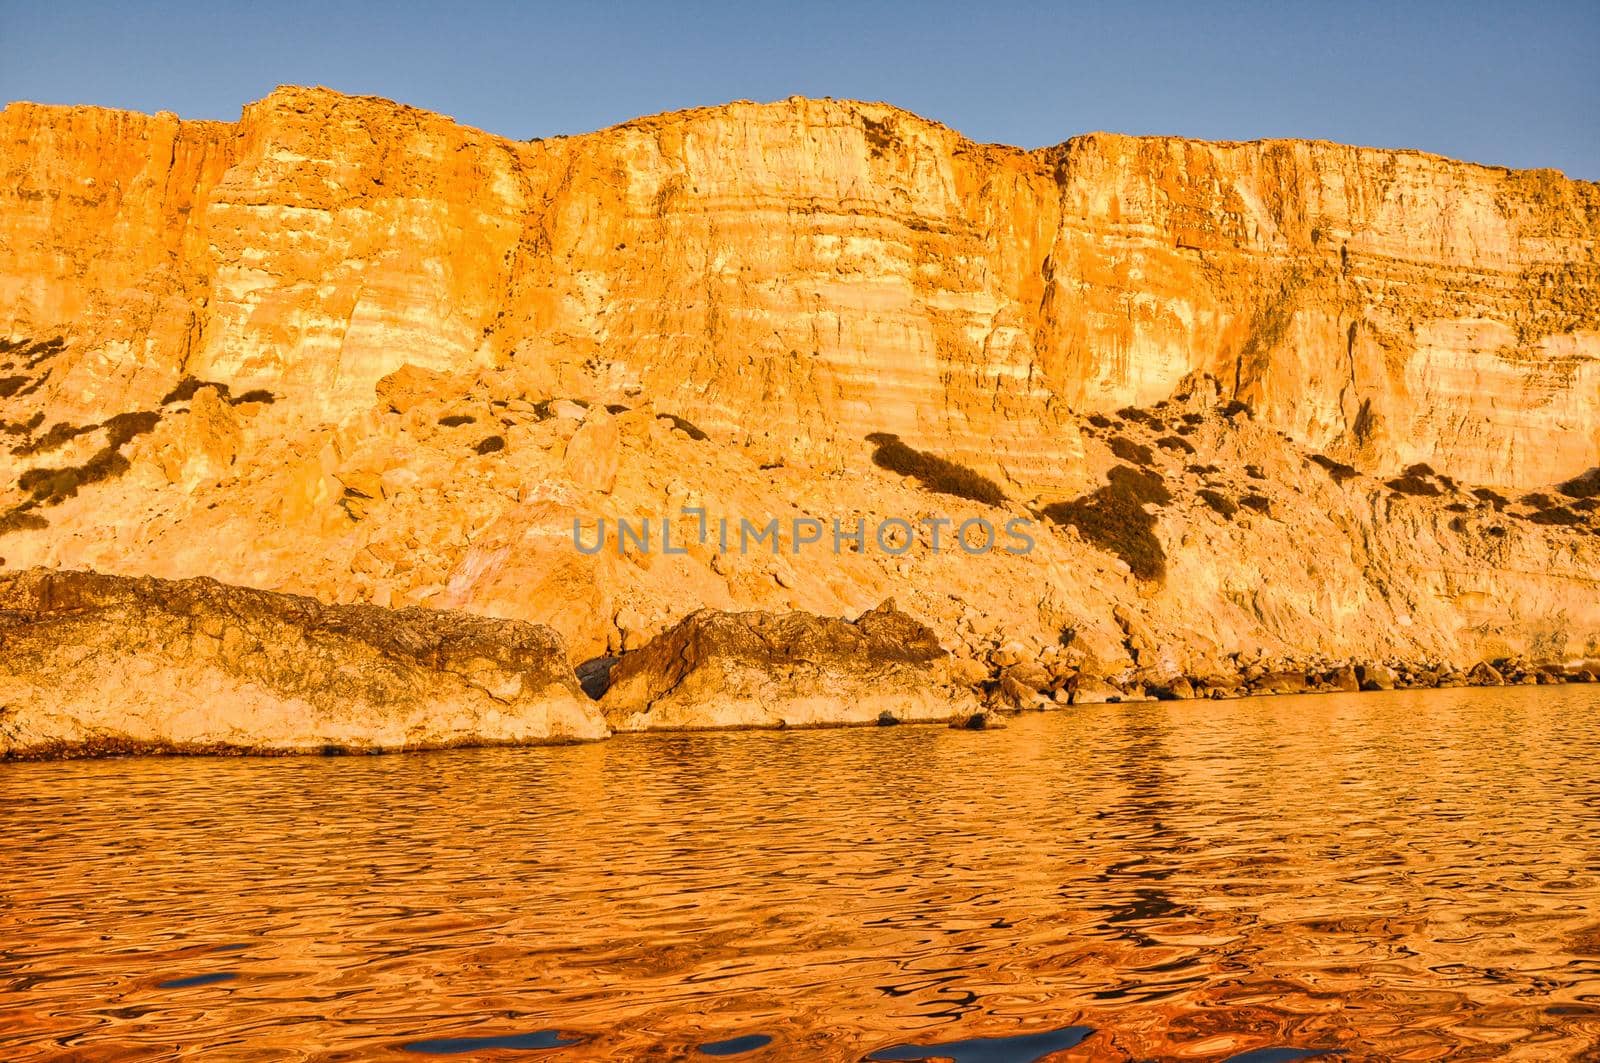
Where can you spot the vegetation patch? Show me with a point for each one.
(1585, 486)
(1144, 417)
(1236, 407)
(186, 388)
(1413, 485)
(456, 420)
(1259, 503)
(687, 427)
(1100, 420)
(1114, 519)
(1337, 470)
(1556, 515)
(1202, 470)
(933, 472)
(10, 385)
(1219, 502)
(1177, 443)
(1128, 450)
(49, 486)
(1493, 497)
(490, 445)
(59, 434)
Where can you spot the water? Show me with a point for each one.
(1395, 876)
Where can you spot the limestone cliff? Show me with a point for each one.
(794, 273)
(1275, 399)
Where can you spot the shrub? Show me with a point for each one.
(1557, 515)
(59, 434)
(185, 389)
(1176, 443)
(1219, 502)
(1256, 502)
(1538, 500)
(1413, 485)
(1114, 519)
(21, 519)
(1237, 407)
(1128, 450)
(10, 385)
(1254, 472)
(456, 420)
(1144, 417)
(688, 428)
(261, 395)
(1192, 418)
(1100, 420)
(932, 472)
(1585, 486)
(1419, 469)
(1338, 470)
(1495, 498)
(491, 445)
(1202, 470)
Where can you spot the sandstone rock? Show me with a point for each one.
(1178, 689)
(978, 720)
(764, 670)
(92, 663)
(593, 453)
(1377, 677)
(1484, 674)
(1344, 679)
(1281, 683)
(1091, 690)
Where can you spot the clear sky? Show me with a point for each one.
(1515, 84)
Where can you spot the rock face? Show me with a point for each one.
(795, 670)
(92, 663)
(1288, 405)
(799, 273)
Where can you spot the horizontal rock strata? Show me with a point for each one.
(725, 670)
(92, 663)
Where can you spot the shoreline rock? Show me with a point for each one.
(717, 670)
(92, 663)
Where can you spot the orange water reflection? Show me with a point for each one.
(1402, 876)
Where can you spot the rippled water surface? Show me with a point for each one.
(1395, 876)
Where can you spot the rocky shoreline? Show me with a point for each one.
(100, 665)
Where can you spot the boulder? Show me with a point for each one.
(1179, 689)
(91, 663)
(1484, 674)
(1344, 679)
(1281, 683)
(757, 669)
(1377, 677)
(1090, 690)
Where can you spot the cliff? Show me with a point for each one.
(1279, 399)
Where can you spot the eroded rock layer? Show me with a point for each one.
(792, 670)
(93, 663)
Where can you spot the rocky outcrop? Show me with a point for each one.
(724, 670)
(92, 663)
(800, 274)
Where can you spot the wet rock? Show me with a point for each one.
(1377, 677)
(1090, 690)
(1280, 683)
(90, 663)
(1344, 679)
(978, 720)
(719, 670)
(1179, 689)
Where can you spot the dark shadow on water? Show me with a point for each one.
(734, 1046)
(1023, 1048)
(453, 1046)
(199, 979)
(1280, 1055)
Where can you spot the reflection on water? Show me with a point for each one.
(1409, 875)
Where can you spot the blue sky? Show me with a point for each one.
(1514, 84)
